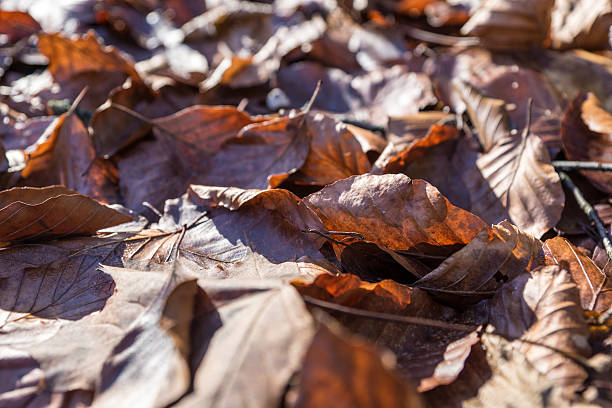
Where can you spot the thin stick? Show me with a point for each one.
(588, 209)
(313, 97)
(439, 39)
(78, 100)
(568, 165)
(387, 316)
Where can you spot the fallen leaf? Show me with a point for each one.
(432, 356)
(83, 61)
(65, 155)
(52, 212)
(541, 312)
(155, 349)
(510, 24)
(395, 212)
(494, 257)
(17, 25)
(239, 324)
(516, 180)
(581, 24)
(587, 136)
(594, 286)
(337, 365)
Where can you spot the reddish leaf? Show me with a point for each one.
(395, 212)
(17, 25)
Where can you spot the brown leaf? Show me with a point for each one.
(395, 212)
(52, 212)
(594, 286)
(64, 312)
(515, 179)
(488, 115)
(114, 130)
(241, 330)
(335, 152)
(510, 24)
(494, 257)
(418, 149)
(370, 97)
(432, 356)
(541, 310)
(76, 63)
(199, 130)
(587, 136)
(155, 350)
(17, 25)
(265, 237)
(262, 156)
(336, 367)
(65, 155)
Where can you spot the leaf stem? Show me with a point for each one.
(588, 209)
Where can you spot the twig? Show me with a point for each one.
(364, 125)
(387, 316)
(588, 209)
(141, 117)
(78, 100)
(568, 165)
(440, 39)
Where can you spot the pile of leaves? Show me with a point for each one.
(305, 203)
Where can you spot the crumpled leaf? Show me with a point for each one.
(541, 310)
(114, 130)
(432, 356)
(65, 155)
(238, 326)
(155, 350)
(587, 136)
(52, 212)
(395, 212)
(337, 364)
(594, 286)
(494, 257)
(510, 24)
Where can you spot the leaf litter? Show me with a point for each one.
(305, 204)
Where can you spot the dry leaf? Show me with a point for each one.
(395, 212)
(541, 310)
(65, 155)
(336, 367)
(17, 25)
(52, 212)
(594, 286)
(581, 24)
(494, 257)
(510, 24)
(587, 136)
(241, 326)
(432, 356)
